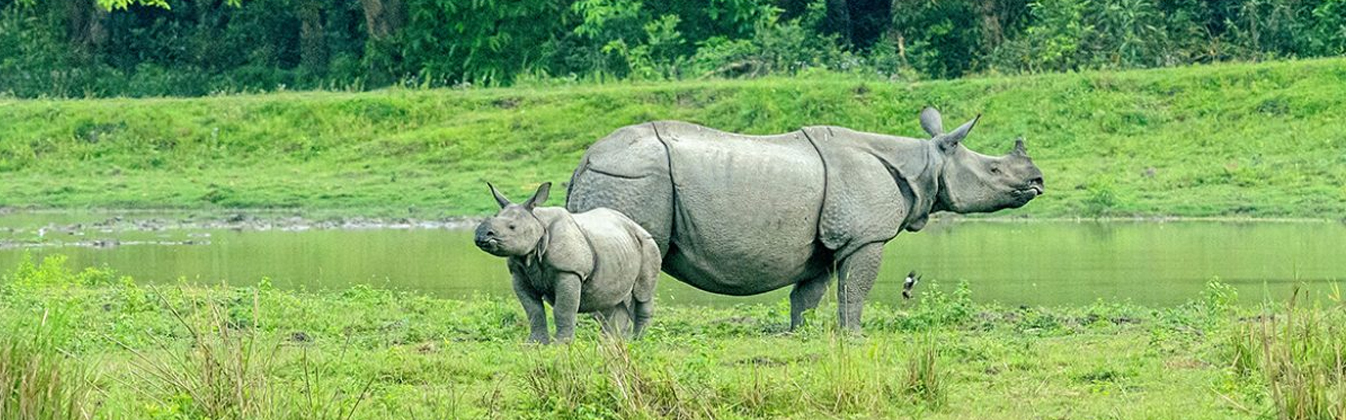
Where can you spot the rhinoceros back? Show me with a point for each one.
(733, 214)
(627, 171)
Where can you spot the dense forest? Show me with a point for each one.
(95, 48)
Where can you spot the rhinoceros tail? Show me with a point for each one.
(570, 187)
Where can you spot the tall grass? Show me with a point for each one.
(1300, 356)
(604, 378)
(924, 380)
(228, 370)
(38, 381)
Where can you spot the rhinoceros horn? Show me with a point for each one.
(1019, 149)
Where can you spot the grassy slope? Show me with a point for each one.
(418, 357)
(1225, 140)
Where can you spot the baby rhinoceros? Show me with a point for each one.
(598, 261)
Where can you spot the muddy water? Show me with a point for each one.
(1027, 263)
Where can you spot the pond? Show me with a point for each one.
(1016, 263)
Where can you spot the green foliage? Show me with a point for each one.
(182, 48)
(1100, 201)
(52, 272)
(936, 38)
(1196, 141)
(498, 41)
(776, 47)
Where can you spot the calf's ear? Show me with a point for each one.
(499, 198)
(539, 197)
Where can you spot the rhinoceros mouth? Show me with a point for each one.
(1027, 193)
(491, 246)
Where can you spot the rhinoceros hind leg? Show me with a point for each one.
(805, 296)
(642, 296)
(642, 313)
(615, 320)
(856, 278)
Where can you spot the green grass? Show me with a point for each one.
(1241, 140)
(189, 352)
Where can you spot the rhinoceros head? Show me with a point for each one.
(973, 182)
(514, 231)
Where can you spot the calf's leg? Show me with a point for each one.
(566, 306)
(532, 307)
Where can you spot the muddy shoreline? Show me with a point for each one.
(119, 221)
(22, 229)
(151, 221)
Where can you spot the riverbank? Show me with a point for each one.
(67, 221)
(1228, 140)
(115, 349)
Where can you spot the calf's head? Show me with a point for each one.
(514, 231)
(975, 183)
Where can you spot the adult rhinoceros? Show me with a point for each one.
(741, 215)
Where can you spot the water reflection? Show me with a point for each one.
(1028, 263)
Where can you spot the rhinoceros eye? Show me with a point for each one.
(995, 169)
(511, 227)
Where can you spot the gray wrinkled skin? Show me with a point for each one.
(741, 215)
(598, 261)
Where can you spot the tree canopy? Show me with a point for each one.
(190, 47)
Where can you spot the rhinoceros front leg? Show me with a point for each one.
(566, 306)
(856, 278)
(805, 296)
(532, 306)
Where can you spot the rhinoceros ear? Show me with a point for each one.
(539, 197)
(932, 122)
(499, 198)
(948, 142)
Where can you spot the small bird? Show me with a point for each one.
(909, 283)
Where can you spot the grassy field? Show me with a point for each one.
(1241, 140)
(93, 345)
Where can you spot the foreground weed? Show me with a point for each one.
(229, 370)
(854, 379)
(647, 391)
(923, 379)
(1301, 357)
(605, 380)
(38, 381)
(319, 397)
(222, 374)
